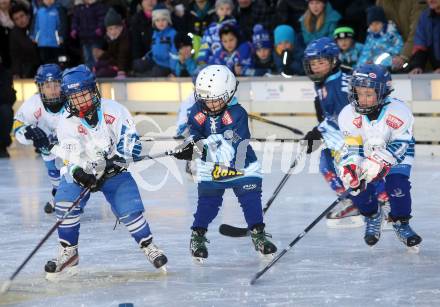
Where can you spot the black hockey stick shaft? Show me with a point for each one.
(232, 231)
(270, 122)
(7, 284)
(299, 237)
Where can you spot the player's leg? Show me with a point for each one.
(54, 176)
(249, 197)
(369, 207)
(398, 188)
(208, 205)
(68, 231)
(122, 192)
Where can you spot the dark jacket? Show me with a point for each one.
(7, 92)
(25, 62)
(118, 52)
(257, 13)
(289, 12)
(141, 32)
(199, 20)
(88, 21)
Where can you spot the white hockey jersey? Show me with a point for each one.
(32, 112)
(393, 131)
(115, 133)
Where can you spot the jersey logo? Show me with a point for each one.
(357, 122)
(322, 93)
(227, 118)
(200, 118)
(109, 119)
(394, 122)
(37, 114)
(82, 130)
(221, 172)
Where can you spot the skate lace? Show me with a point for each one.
(199, 241)
(373, 224)
(260, 238)
(66, 253)
(152, 251)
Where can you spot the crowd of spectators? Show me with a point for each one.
(161, 38)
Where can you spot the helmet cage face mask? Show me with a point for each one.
(53, 104)
(84, 102)
(380, 89)
(214, 105)
(319, 77)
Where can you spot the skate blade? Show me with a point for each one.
(266, 257)
(163, 269)
(199, 260)
(413, 249)
(346, 222)
(63, 275)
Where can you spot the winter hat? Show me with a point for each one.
(343, 32)
(261, 37)
(182, 39)
(112, 18)
(161, 11)
(376, 13)
(284, 33)
(325, 1)
(221, 2)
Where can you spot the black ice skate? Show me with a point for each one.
(154, 254)
(49, 207)
(66, 264)
(261, 243)
(197, 245)
(406, 235)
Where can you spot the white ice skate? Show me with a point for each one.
(154, 255)
(65, 265)
(344, 215)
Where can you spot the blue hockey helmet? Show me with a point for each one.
(79, 87)
(322, 48)
(48, 79)
(372, 76)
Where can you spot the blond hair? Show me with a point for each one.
(308, 21)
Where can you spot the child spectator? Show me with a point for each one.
(88, 26)
(200, 15)
(318, 21)
(288, 51)
(382, 38)
(158, 62)
(25, 59)
(211, 39)
(350, 49)
(49, 30)
(427, 40)
(233, 53)
(262, 60)
(185, 64)
(115, 61)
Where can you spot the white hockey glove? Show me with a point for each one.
(377, 165)
(350, 174)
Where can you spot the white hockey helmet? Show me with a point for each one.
(215, 86)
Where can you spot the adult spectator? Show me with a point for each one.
(200, 14)
(6, 24)
(7, 99)
(405, 14)
(24, 59)
(288, 12)
(251, 12)
(427, 40)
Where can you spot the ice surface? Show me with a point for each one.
(327, 267)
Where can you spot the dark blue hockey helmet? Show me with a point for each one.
(79, 87)
(322, 48)
(372, 76)
(48, 79)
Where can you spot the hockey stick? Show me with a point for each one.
(8, 283)
(232, 231)
(300, 236)
(268, 121)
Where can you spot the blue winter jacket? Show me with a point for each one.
(49, 28)
(242, 56)
(351, 56)
(331, 19)
(162, 47)
(427, 37)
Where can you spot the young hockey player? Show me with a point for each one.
(36, 121)
(97, 134)
(219, 137)
(379, 143)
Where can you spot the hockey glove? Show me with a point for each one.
(38, 137)
(313, 138)
(350, 174)
(115, 165)
(186, 150)
(375, 167)
(83, 179)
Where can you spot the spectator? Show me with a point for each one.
(88, 26)
(262, 60)
(24, 62)
(382, 38)
(318, 21)
(211, 39)
(49, 30)
(290, 11)
(427, 40)
(251, 12)
(141, 30)
(184, 64)
(158, 62)
(405, 14)
(115, 61)
(200, 14)
(6, 24)
(234, 53)
(288, 51)
(350, 49)
(7, 99)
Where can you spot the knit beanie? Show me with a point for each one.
(112, 18)
(160, 11)
(284, 33)
(261, 38)
(376, 13)
(343, 32)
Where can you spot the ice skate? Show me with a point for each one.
(199, 252)
(154, 255)
(373, 227)
(261, 243)
(65, 265)
(406, 235)
(344, 215)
